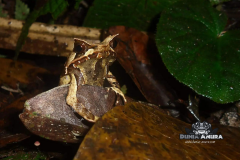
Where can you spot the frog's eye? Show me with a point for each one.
(113, 43)
(78, 48)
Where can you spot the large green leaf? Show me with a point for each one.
(55, 7)
(197, 52)
(138, 14)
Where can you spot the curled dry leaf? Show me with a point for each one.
(138, 55)
(134, 45)
(137, 131)
(49, 116)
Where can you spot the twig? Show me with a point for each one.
(18, 90)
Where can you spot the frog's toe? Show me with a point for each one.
(119, 92)
(86, 114)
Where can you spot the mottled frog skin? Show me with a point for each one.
(88, 64)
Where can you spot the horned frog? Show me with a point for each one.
(88, 64)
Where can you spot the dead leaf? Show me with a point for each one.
(13, 72)
(138, 55)
(8, 138)
(137, 131)
(6, 99)
(136, 52)
(11, 75)
(9, 114)
(11, 128)
(97, 100)
(49, 116)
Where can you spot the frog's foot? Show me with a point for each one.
(85, 113)
(119, 92)
(112, 80)
(81, 110)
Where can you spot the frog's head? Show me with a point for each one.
(84, 51)
(99, 50)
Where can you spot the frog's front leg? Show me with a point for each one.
(69, 60)
(66, 79)
(115, 85)
(73, 101)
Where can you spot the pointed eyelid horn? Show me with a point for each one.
(77, 40)
(108, 39)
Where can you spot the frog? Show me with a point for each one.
(88, 64)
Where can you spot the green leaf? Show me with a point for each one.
(55, 7)
(21, 10)
(140, 14)
(198, 53)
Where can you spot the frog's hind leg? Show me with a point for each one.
(112, 80)
(72, 92)
(115, 85)
(85, 113)
(73, 102)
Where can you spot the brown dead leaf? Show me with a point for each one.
(96, 99)
(137, 131)
(11, 128)
(11, 75)
(9, 114)
(138, 55)
(8, 138)
(13, 72)
(6, 99)
(49, 116)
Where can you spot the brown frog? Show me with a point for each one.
(88, 64)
